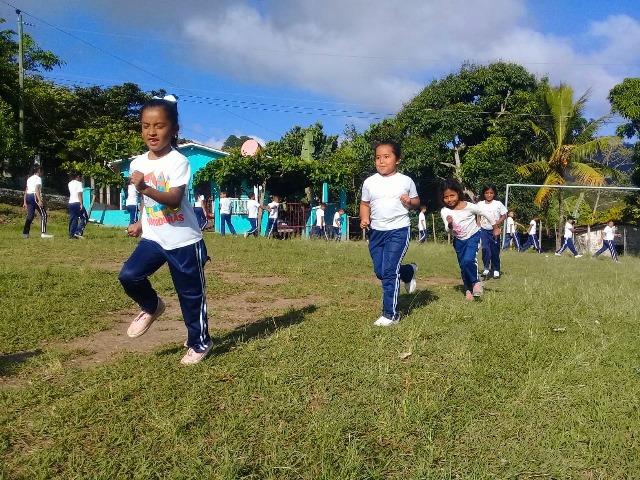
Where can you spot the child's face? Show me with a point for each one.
(386, 160)
(450, 198)
(610, 223)
(510, 214)
(489, 194)
(157, 131)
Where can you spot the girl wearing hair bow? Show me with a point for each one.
(168, 229)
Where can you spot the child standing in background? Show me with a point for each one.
(253, 207)
(460, 218)
(272, 223)
(422, 225)
(225, 214)
(200, 209)
(319, 227)
(533, 235)
(131, 203)
(568, 238)
(386, 200)
(608, 236)
(169, 230)
(495, 214)
(34, 201)
(75, 206)
(337, 224)
(511, 231)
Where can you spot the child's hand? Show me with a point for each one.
(496, 230)
(364, 223)
(134, 230)
(137, 179)
(405, 200)
(449, 219)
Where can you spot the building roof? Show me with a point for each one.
(180, 147)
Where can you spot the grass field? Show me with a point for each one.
(538, 379)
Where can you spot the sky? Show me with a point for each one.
(260, 67)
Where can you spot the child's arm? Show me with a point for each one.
(24, 199)
(365, 214)
(171, 199)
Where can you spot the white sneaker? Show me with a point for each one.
(410, 286)
(558, 254)
(384, 322)
(485, 273)
(46, 235)
(578, 256)
(496, 275)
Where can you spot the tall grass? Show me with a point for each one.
(539, 379)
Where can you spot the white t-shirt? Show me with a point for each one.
(170, 228)
(337, 219)
(567, 230)
(197, 201)
(75, 188)
(533, 227)
(32, 182)
(225, 205)
(274, 206)
(319, 217)
(383, 195)
(422, 222)
(609, 233)
(511, 225)
(252, 207)
(132, 195)
(464, 220)
(494, 211)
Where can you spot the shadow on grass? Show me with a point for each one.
(8, 363)
(406, 303)
(251, 331)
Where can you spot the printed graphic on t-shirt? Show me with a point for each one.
(158, 214)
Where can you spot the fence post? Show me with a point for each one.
(433, 227)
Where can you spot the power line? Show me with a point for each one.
(131, 64)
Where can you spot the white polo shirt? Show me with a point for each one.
(383, 194)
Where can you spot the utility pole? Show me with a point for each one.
(20, 73)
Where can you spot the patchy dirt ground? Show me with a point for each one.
(235, 311)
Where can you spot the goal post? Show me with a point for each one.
(568, 187)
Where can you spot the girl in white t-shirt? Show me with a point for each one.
(386, 200)
(169, 231)
(200, 209)
(460, 218)
(497, 212)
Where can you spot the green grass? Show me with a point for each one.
(489, 389)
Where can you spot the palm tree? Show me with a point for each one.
(569, 142)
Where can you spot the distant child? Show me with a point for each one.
(75, 206)
(200, 209)
(460, 218)
(422, 225)
(533, 235)
(253, 207)
(496, 213)
(131, 203)
(169, 232)
(34, 201)
(225, 214)
(272, 223)
(319, 227)
(386, 200)
(608, 236)
(568, 238)
(511, 231)
(337, 224)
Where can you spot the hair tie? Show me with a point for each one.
(169, 98)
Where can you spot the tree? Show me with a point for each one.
(569, 142)
(234, 142)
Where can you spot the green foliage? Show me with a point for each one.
(625, 101)
(233, 142)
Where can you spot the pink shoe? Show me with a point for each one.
(143, 321)
(192, 356)
(478, 290)
(468, 295)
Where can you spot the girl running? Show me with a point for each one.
(169, 231)
(497, 213)
(459, 217)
